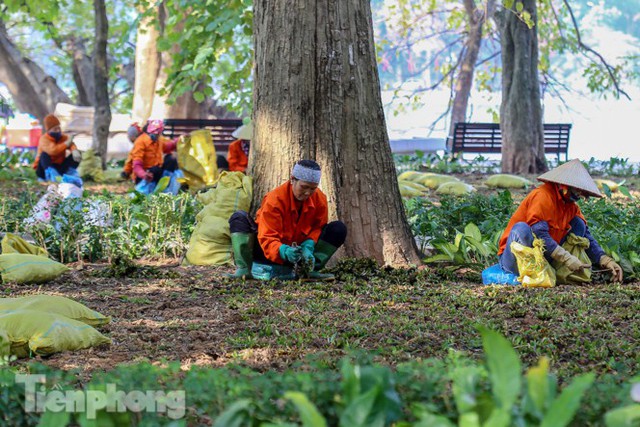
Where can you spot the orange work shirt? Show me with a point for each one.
(56, 149)
(148, 152)
(282, 220)
(544, 204)
(236, 157)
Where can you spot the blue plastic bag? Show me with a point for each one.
(145, 187)
(495, 275)
(52, 175)
(72, 179)
(174, 185)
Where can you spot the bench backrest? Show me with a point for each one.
(220, 129)
(487, 138)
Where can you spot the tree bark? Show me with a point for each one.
(521, 108)
(102, 115)
(317, 96)
(83, 73)
(464, 80)
(33, 91)
(147, 66)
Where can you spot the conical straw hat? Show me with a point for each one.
(244, 132)
(573, 174)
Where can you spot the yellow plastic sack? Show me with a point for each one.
(535, 271)
(12, 244)
(53, 304)
(507, 181)
(419, 187)
(434, 180)
(25, 268)
(197, 159)
(576, 246)
(410, 176)
(457, 188)
(210, 242)
(613, 186)
(46, 333)
(90, 168)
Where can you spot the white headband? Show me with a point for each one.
(306, 174)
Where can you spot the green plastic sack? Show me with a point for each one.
(576, 246)
(53, 304)
(26, 268)
(434, 180)
(46, 333)
(457, 188)
(507, 181)
(12, 244)
(411, 189)
(90, 168)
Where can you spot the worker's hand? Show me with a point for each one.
(148, 176)
(77, 155)
(290, 254)
(616, 271)
(572, 262)
(124, 175)
(69, 142)
(308, 247)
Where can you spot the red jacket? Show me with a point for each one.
(281, 222)
(56, 149)
(237, 159)
(544, 204)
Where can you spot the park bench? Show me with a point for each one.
(220, 129)
(487, 138)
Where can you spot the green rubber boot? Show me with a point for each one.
(242, 244)
(323, 252)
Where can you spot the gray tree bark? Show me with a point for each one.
(102, 115)
(34, 91)
(317, 96)
(464, 80)
(521, 108)
(147, 66)
(83, 73)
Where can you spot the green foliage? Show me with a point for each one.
(215, 54)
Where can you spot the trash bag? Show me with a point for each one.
(408, 191)
(41, 212)
(457, 188)
(576, 246)
(197, 159)
(13, 244)
(56, 305)
(495, 275)
(27, 268)
(434, 180)
(413, 176)
(46, 333)
(52, 175)
(210, 242)
(145, 187)
(535, 271)
(507, 181)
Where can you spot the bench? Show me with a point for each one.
(220, 129)
(487, 138)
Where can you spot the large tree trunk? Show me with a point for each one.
(33, 91)
(521, 109)
(102, 115)
(147, 66)
(83, 73)
(317, 96)
(464, 80)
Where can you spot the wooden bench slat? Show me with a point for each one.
(221, 130)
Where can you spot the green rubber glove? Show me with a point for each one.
(290, 254)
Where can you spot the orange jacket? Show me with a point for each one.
(238, 161)
(544, 204)
(280, 223)
(56, 149)
(148, 152)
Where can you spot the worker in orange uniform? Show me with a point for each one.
(147, 161)
(291, 226)
(52, 160)
(550, 213)
(238, 156)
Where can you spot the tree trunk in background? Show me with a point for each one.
(83, 73)
(102, 115)
(147, 66)
(476, 20)
(33, 91)
(317, 96)
(521, 109)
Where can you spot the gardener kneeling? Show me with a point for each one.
(52, 160)
(550, 213)
(292, 228)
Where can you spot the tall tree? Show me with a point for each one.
(317, 95)
(33, 90)
(521, 109)
(102, 114)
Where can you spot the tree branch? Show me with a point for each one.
(608, 67)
